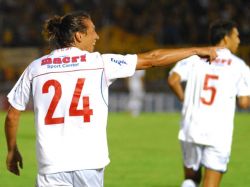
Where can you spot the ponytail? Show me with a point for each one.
(59, 31)
(51, 30)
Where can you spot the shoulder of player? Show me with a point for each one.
(227, 54)
(36, 62)
(190, 60)
(237, 59)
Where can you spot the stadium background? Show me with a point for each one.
(124, 26)
(144, 151)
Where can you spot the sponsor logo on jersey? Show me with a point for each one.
(120, 62)
(63, 60)
(219, 61)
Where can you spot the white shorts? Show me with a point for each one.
(81, 178)
(197, 155)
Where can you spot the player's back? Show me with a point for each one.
(210, 95)
(70, 102)
(214, 86)
(64, 81)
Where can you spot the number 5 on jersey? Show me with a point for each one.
(85, 112)
(212, 89)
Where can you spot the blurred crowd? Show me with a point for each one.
(169, 22)
(138, 24)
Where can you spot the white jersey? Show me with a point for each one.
(70, 96)
(210, 97)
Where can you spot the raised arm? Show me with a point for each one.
(165, 57)
(14, 158)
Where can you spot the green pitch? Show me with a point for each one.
(144, 152)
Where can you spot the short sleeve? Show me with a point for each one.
(119, 66)
(19, 96)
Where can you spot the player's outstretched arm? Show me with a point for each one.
(14, 159)
(165, 57)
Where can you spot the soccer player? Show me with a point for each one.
(136, 92)
(69, 88)
(209, 105)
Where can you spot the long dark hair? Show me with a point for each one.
(59, 30)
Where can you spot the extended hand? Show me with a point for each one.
(208, 52)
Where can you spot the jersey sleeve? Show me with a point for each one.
(119, 66)
(183, 67)
(19, 96)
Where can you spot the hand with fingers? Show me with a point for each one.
(14, 162)
(208, 52)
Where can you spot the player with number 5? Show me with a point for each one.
(69, 88)
(209, 105)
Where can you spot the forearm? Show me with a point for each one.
(162, 57)
(11, 127)
(178, 91)
(175, 85)
(165, 57)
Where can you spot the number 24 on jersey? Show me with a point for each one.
(85, 112)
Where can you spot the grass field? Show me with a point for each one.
(144, 152)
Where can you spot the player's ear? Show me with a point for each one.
(226, 39)
(78, 36)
